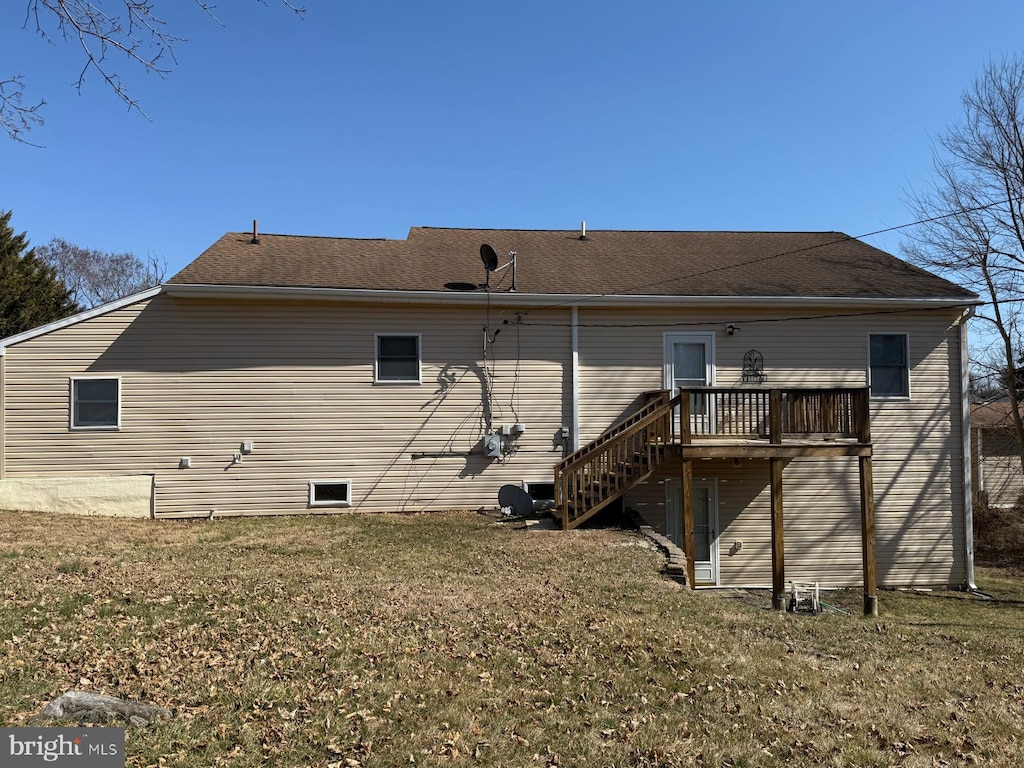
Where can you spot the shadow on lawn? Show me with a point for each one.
(982, 599)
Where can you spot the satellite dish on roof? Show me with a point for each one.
(515, 499)
(489, 257)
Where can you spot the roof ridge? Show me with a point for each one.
(319, 237)
(648, 231)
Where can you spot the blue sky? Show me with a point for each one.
(371, 116)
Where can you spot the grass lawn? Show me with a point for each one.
(454, 640)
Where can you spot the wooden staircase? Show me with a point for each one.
(600, 472)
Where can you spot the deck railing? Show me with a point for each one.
(768, 414)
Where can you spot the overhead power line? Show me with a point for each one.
(780, 254)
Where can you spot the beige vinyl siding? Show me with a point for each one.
(918, 484)
(997, 464)
(1003, 480)
(199, 377)
(3, 420)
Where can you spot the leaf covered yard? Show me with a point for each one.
(448, 640)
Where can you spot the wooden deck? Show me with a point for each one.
(708, 422)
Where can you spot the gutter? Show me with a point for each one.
(965, 448)
(554, 300)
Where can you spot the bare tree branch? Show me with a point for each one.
(15, 117)
(975, 217)
(95, 277)
(132, 29)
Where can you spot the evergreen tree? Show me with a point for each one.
(30, 293)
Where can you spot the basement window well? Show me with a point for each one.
(95, 403)
(330, 493)
(542, 493)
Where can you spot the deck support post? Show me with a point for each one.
(686, 499)
(867, 533)
(862, 411)
(778, 548)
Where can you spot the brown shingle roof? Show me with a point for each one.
(626, 263)
(994, 414)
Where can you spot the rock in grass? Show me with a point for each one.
(85, 707)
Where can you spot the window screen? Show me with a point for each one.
(890, 371)
(398, 358)
(95, 403)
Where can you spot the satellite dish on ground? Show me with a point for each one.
(489, 257)
(514, 498)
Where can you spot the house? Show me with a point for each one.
(998, 479)
(702, 377)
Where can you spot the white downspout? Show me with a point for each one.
(574, 323)
(965, 438)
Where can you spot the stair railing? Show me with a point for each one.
(601, 471)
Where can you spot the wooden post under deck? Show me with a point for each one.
(867, 505)
(867, 533)
(686, 499)
(778, 548)
(775, 472)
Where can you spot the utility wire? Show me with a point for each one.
(780, 254)
(787, 318)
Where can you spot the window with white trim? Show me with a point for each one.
(330, 493)
(889, 366)
(398, 358)
(95, 403)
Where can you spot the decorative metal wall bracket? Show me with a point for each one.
(753, 368)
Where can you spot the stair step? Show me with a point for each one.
(614, 462)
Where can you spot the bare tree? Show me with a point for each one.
(95, 277)
(975, 211)
(130, 28)
(16, 117)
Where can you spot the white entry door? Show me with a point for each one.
(690, 362)
(705, 524)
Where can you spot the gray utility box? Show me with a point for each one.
(492, 446)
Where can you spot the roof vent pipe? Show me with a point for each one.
(255, 235)
(583, 230)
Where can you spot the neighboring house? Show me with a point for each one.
(282, 375)
(995, 455)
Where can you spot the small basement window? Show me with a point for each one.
(542, 493)
(398, 358)
(95, 403)
(330, 493)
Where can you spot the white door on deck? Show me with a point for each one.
(690, 362)
(705, 525)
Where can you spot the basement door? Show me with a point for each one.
(705, 524)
